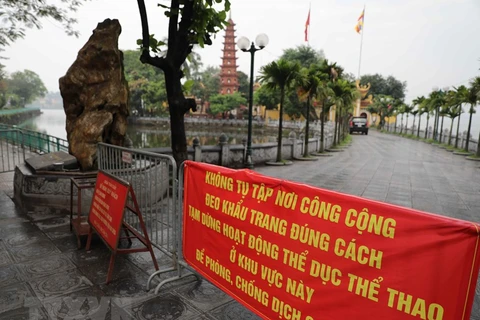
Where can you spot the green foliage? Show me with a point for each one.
(206, 84)
(155, 98)
(23, 87)
(265, 97)
(243, 83)
(389, 86)
(135, 69)
(201, 24)
(385, 106)
(280, 76)
(146, 85)
(3, 86)
(17, 16)
(222, 103)
(304, 55)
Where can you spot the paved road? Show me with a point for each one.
(395, 170)
(399, 171)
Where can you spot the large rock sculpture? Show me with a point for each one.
(95, 95)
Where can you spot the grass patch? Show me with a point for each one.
(346, 141)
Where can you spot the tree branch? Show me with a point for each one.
(173, 30)
(145, 57)
(185, 46)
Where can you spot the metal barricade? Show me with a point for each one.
(181, 264)
(12, 150)
(153, 179)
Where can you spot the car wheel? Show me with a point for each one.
(366, 132)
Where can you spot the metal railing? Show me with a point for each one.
(12, 151)
(36, 141)
(153, 179)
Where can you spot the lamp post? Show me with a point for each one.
(243, 44)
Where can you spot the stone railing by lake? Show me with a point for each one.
(233, 155)
(208, 122)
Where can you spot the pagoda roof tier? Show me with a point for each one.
(228, 67)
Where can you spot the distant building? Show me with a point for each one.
(228, 69)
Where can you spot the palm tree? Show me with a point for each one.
(373, 109)
(308, 82)
(427, 107)
(475, 84)
(345, 93)
(279, 75)
(418, 102)
(326, 95)
(454, 100)
(408, 110)
(438, 103)
(468, 95)
(402, 108)
(349, 96)
(414, 112)
(452, 110)
(383, 106)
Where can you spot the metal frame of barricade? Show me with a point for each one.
(153, 179)
(181, 263)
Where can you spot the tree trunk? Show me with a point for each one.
(468, 130)
(335, 127)
(406, 125)
(177, 106)
(450, 133)
(280, 123)
(419, 124)
(340, 126)
(401, 125)
(441, 130)
(458, 128)
(307, 127)
(426, 128)
(322, 128)
(413, 125)
(478, 146)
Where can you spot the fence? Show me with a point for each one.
(11, 148)
(36, 141)
(153, 179)
(442, 136)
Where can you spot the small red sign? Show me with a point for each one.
(106, 212)
(291, 251)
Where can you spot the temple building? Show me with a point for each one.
(228, 69)
(365, 100)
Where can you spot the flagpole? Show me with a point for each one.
(361, 43)
(309, 28)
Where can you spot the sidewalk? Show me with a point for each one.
(44, 276)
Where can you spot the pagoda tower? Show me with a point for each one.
(228, 69)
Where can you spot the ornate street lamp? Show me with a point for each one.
(244, 44)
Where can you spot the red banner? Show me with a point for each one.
(106, 211)
(291, 251)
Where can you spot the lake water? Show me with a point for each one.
(52, 122)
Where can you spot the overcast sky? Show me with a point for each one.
(428, 43)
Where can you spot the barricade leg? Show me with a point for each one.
(110, 267)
